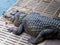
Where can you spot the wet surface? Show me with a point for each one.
(5, 4)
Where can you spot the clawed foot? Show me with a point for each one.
(14, 30)
(11, 29)
(17, 32)
(34, 40)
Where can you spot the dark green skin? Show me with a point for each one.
(15, 17)
(57, 18)
(39, 27)
(19, 18)
(11, 15)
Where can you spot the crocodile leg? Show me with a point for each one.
(19, 30)
(10, 29)
(40, 37)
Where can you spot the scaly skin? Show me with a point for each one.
(19, 18)
(10, 16)
(14, 16)
(39, 27)
(57, 18)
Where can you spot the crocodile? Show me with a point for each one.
(39, 27)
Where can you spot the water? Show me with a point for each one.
(5, 4)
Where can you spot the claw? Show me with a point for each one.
(10, 29)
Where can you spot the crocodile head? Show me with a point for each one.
(10, 16)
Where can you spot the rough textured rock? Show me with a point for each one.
(47, 7)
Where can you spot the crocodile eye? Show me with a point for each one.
(17, 11)
(5, 16)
